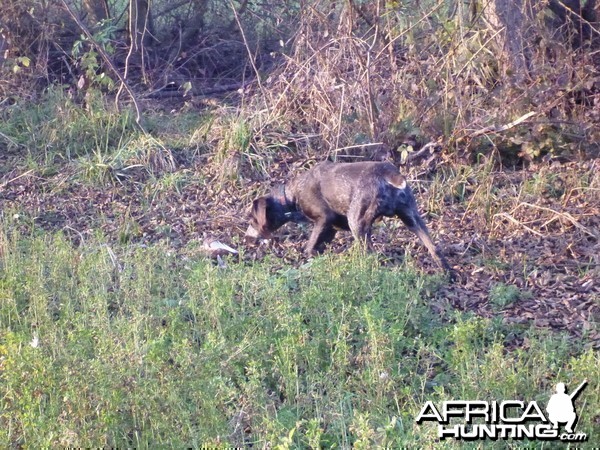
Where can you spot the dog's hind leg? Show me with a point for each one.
(415, 223)
(360, 220)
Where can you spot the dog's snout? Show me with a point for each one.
(251, 232)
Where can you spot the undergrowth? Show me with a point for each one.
(112, 343)
(106, 345)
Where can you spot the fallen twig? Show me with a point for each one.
(515, 221)
(508, 126)
(163, 92)
(6, 183)
(429, 147)
(566, 216)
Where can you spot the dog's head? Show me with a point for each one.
(267, 215)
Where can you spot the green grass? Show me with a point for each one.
(57, 128)
(141, 347)
(95, 143)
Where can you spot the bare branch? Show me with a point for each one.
(109, 63)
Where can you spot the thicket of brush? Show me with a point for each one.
(334, 76)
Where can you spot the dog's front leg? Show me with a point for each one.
(324, 238)
(362, 235)
(321, 234)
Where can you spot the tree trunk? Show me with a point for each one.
(509, 16)
(96, 11)
(140, 24)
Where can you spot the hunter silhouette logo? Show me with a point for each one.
(561, 409)
(508, 419)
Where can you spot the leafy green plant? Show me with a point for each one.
(21, 62)
(88, 58)
(503, 295)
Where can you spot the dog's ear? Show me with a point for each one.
(396, 180)
(259, 218)
(259, 211)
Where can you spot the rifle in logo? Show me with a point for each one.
(560, 407)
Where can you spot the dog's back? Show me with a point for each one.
(338, 184)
